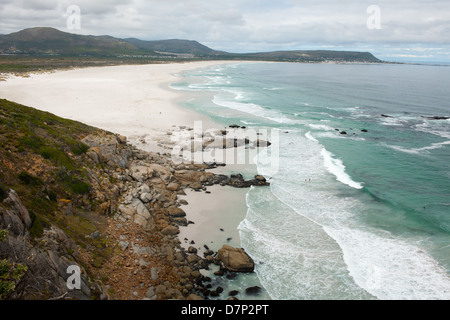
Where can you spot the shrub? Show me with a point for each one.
(58, 157)
(10, 274)
(79, 187)
(33, 142)
(28, 179)
(3, 193)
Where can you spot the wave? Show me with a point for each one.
(255, 109)
(336, 167)
(323, 127)
(390, 268)
(433, 146)
(310, 137)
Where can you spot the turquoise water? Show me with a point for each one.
(361, 215)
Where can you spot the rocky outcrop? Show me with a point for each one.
(17, 217)
(138, 191)
(235, 259)
(108, 148)
(46, 276)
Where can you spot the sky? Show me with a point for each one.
(395, 30)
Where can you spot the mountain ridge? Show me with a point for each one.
(50, 41)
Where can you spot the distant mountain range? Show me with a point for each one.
(50, 41)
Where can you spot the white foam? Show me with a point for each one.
(433, 146)
(390, 268)
(310, 137)
(336, 167)
(255, 109)
(384, 265)
(436, 127)
(321, 127)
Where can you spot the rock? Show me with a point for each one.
(161, 289)
(196, 185)
(141, 173)
(151, 294)
(121, 139)
(18, 208)
(95, 235)
(173, 186)
(142, 216)
(146, 197)
(124, 244)
(437, 118)
(109, 149)
(260, 178)
(154, 274)
(192, 258)
(235, 259)
(253, 291)
(176, 212)
(180, 221)
(94, 155)
(194, 297)
(262, 143)
(233, 293)
(170, 231)
(192, 249)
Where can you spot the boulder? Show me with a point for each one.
(196, 185)
(170, 231)
(260, 178)
(18, 208)
(141, 173)
(146, 197)
(235, 259)
(253, 291)
(173, 186)
(176, 212)
(109, 149)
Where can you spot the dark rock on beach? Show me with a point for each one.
(253, 291)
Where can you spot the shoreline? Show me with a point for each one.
(143, 135)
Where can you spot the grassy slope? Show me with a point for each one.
(43, 159)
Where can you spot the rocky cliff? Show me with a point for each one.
(73, 195)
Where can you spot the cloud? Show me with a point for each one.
(238, 25)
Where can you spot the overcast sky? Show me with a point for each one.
(393, 30)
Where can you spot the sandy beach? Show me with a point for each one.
(136, 101)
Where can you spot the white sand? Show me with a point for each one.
(134, 101)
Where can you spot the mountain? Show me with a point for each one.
(175, 46)
(49, 41)
(43, 40)
(315, 56)
(52, 41)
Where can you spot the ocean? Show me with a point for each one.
(359, 201)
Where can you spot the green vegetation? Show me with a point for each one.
(38, 226)
(10, 273)
(28, 179)
(42, 159)
(38, 49)
(3, 192)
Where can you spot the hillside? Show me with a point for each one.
(51, 42)
(74, 195)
